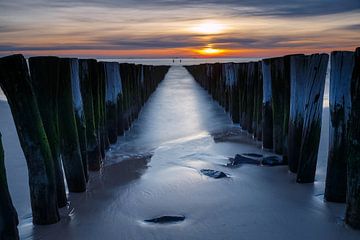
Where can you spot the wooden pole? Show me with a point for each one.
(342, 64)
(352, 216)
(8, 216)
(112, 76)
(87, 77)
(120, 119)
(70, 146)
(267, 111)
(259, 97)
(279, 88)
(313, 94)
(79, 114)
(298, 73)
(95, 164)
(45, 81)
(104, 138)
(15, 82)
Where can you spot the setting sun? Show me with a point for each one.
(210, 51)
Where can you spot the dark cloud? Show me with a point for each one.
(288, 8)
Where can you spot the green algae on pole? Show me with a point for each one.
(267, 111)
(45, 81)
(8, 216)
(313, 96)
(70, 146)
(15, 82)
(298, 69)
(342, 64)
(87, 75)
(352, 216)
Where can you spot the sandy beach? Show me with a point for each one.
(154, 170)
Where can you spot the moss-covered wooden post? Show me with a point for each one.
(15, 82)
(104, 139)
(313, 94)
(113, 92)
(45, 81)
(120, 124)
(79, 113)
(279, 87)
(87, 77)
(69, 137)
(259, 96)
(267, 111)
(298, 76)
(342, 64)
(352, 216)
(95, 164)
(242, 94)
(8, 216)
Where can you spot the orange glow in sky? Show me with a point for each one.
(162, 28)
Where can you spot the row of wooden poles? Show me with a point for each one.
(280, 102)
(67, 112)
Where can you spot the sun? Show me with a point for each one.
(209, 27)
(210, 51)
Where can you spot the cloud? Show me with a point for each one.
(290, 8)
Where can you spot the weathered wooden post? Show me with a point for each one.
(104, 138)
(267, 111)
(242, 94)
(298, 76)
(8, 216)
(79, 113)
(353, 165)
(15, 82)
(45, 81)
(87, 77)
(69, 137)
(95, 164)
(112, 76)
(279, 88)
(258, 106)
(120, 119)
(313, 94)
(342, 64)
(251, 74)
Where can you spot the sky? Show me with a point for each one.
(170, 28)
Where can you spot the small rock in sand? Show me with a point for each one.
(166, 219)
(254, 155)
(273, 161)
(240, 159)
(213, 173)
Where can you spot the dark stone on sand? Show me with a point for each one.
(240, 159)
(273, 161)
(213, 173)
(166, 219)
(255, 159)
(255, 155)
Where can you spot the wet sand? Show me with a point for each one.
(154, 170)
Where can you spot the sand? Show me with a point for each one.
(177, 128)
